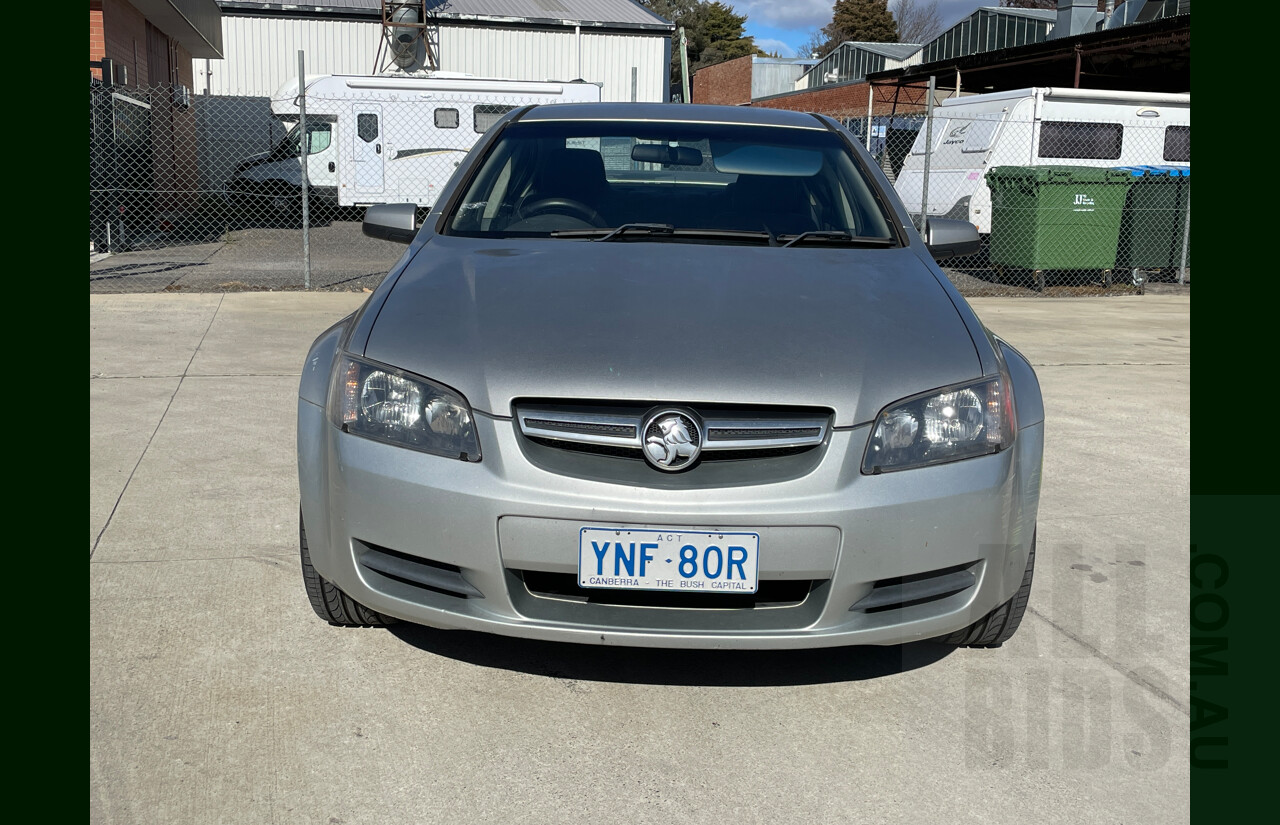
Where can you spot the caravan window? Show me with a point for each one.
(367, 127)
(940, 127)
(446, 118)
(1177, 144)
(487, 114)
(981, 133)
(1073, 139)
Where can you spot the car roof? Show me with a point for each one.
(674, 113)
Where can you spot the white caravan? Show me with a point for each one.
(1033, 127)
(386, 139)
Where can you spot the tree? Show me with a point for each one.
(813, 45)
(713, 32)
(726, 35)
(918, 21)
(862, 20)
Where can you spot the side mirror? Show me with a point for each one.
(395, 222)
(948, 238)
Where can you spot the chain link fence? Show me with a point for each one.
(204, 193)
(1064, 207)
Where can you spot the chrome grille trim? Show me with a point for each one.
(723, 432)
(580, 427)
(763, 434)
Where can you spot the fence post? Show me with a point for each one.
(928, 153)
(303, 142)
(684, 67)
(870, 100)
(1186, 240)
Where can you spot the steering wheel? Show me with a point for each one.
(577, 209)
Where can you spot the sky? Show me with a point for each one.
(782, 25)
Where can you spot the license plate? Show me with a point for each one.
(686, 562)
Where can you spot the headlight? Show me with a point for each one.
(943, 425)
(388, 405)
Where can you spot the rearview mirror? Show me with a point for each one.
(666, 155)
(395, 222)
(948, 238)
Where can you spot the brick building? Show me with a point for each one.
(743, 79)
(153, 41)
(142, 158)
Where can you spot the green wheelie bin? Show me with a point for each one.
(1056, 217)
(1155, 217)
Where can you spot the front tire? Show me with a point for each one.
(330, 603)
(998, 626)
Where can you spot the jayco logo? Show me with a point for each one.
(957, 134)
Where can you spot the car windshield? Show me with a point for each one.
(725, 182)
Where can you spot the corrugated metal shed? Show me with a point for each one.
(854, 60)
(1143, 11)
(775, 75)
(262, 54)
(990, 28)
(550, 55)
(614, 13)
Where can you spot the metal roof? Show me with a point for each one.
(790, 61)
(625, 13)
(196, 24)
(1153, 57)
(1039, 14)
(893, 51)
(850, 59)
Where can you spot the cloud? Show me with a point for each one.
(791, 14)
(770, 45)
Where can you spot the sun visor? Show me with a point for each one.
(734, 158)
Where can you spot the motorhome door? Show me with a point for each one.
(367, 155)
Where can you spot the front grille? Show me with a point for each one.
(590, 449)
(727, 433)
(582, 427)
(564, 586)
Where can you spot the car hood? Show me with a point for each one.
(848, 329)
(253, 160)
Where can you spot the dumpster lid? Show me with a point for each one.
(1153, 171)
(1014, 175)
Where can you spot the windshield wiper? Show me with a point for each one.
(616, 232)
(665, 230)
(835, 236)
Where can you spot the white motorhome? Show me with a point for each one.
(386, 139)
(1033, 127)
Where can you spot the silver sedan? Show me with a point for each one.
(670, 376)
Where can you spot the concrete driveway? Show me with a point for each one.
(216, 695)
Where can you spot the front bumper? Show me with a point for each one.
(492, 527)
